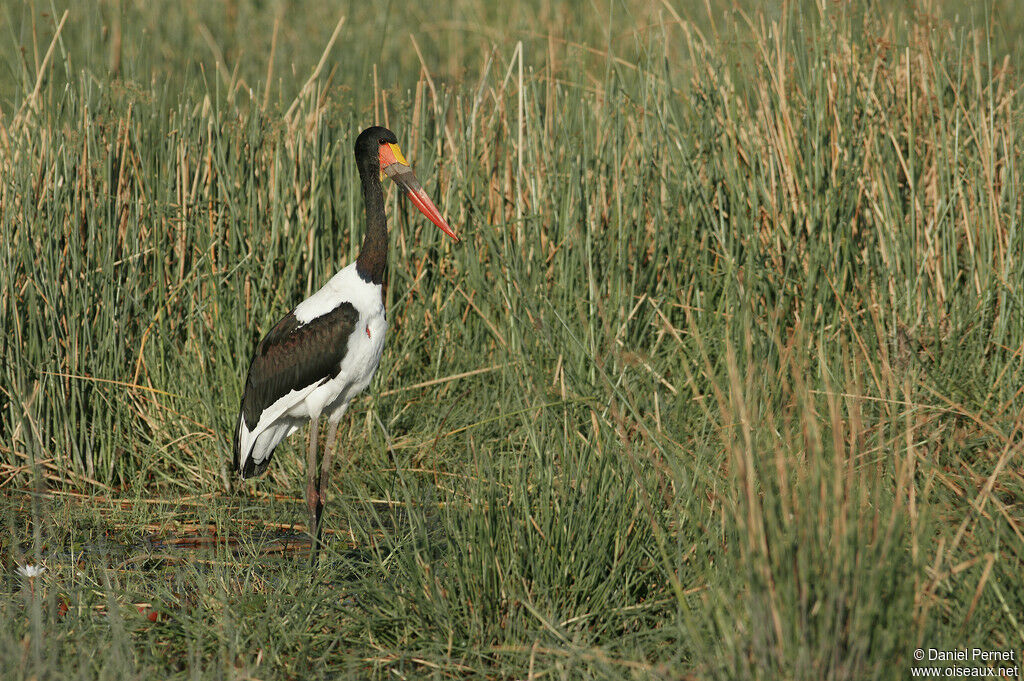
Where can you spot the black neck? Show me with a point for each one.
(373, 256)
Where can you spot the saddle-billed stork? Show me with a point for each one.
(325, 351)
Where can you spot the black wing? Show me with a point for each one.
(290, 357)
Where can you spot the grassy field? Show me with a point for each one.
(724, 381)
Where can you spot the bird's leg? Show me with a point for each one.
(325, 474)
(311, 488)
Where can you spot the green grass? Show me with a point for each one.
(724, 380)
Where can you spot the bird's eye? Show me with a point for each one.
(382, 142)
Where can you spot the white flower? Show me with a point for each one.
(31, 571)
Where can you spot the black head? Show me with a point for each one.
(369, 141)
(378, 156)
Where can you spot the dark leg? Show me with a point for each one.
(325, 475)
(312, 500)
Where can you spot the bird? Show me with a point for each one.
(325, 351)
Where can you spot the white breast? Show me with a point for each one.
(365, 344)
(345, 286)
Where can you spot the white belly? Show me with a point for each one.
(360, 363)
